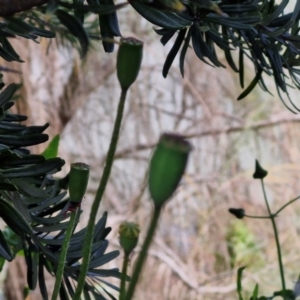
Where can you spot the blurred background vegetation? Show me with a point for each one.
(199, 246)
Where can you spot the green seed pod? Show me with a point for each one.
(129, 236)
(78, 180)
(129, 60)
(167, 166)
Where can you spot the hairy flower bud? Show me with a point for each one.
(129, 236)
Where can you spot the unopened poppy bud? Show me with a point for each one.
(78, 180)
(237, 212)
(167, 166)
(129, 236)
(259, 173)
(129, 61)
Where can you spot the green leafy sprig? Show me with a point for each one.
(36, 210)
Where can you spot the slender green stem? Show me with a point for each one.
(100, 191)
(285, 205)
(62, 258)
(257, 217)
(123, 277)
(272, 217)
(143, 254)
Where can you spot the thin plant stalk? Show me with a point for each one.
(257, 217)
(63, 255)
(100, 191)
(143, 254)
(272, 218)
(123, 276)
(285, 205)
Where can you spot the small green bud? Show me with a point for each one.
(259, 173)
(129, 61)
(237, 212)
(78, 180)
(167, 166)
(129, 236)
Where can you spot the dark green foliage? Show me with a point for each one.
(75, 27)
(5, 251)
(258, 29)
(35, 208)
(109, 26)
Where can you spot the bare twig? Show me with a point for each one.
(212, 131)
(254, 126)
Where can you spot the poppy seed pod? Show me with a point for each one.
(129, 60)
(78, 180)
(129, 236)
(167, 166)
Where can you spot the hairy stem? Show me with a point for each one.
(100, 191)
(143, 254)
(123, 277)
(62, 258)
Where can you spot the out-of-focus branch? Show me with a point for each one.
(274, 121)
(10, 7)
